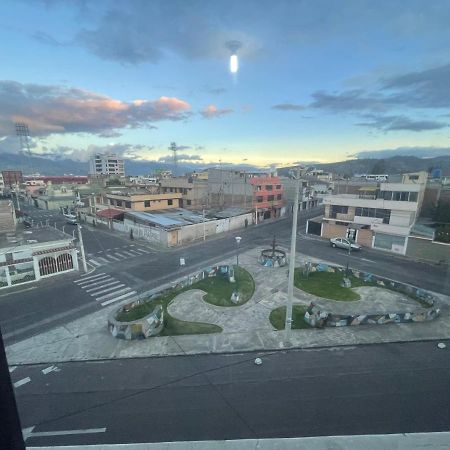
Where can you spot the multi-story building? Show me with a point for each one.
(379, 216)
(308, 195)
(7, 216)
(132, 201)
(2, 185)
(108, 164)
(267, 196)
(194, 192)
(12, 177)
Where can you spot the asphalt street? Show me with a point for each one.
(390, 388)
(134, 267)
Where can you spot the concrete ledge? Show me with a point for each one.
(406, 441)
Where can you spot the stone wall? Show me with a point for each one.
(317, 317)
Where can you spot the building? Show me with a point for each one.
(193, 191)
(379, 216)
(267, 197)
(12, 178)
(41, 253)
(56, 198)
(308, 195)
(63, 179)
(2, 185)
(137, 201)
(7, 216)
(108, 164)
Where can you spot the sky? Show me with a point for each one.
(318, 80)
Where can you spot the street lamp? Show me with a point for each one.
(288, 322)
(238, 240)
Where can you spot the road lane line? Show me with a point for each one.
(50, 369)
(141, 250)
(88, 283)
(113, 257)
(108, 302)
(121, 291)
(91, 278)
(102, 286)
(103, 259)
(92, 261)
(12, 369)
(29, 434)
(120, 254)
(22, 382)
(107, 290)
(128, 253)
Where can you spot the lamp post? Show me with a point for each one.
(238, 240)
(204, 226)
(288, 322)
(83, 256)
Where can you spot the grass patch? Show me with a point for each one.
(328, 285)
(278, 317)
(219, 289)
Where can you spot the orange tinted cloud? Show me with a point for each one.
(55, 109)
(212, 111)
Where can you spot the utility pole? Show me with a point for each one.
(204, 226)
(83, 256)
(288, 322)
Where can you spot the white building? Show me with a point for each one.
(379, 216)
(2, 185)
(109, 164)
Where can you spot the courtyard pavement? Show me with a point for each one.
(245, 328)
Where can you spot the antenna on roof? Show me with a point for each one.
(173, 148)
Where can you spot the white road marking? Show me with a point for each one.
(94, 262)
(128, 253)
(113, 257)
(134, 252)
(50, 369)
(120, 254)
(108, 302)
(87, 283)
(22, 382)
(12, 369)
(103, 259)
(92, 276)
(141, 250)
(110, 294)
(101, 251)
(28, 432)
(103, 286)
(107, 290)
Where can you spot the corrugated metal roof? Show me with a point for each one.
(159, 219)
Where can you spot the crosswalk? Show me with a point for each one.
(105, 289)
(114, 255)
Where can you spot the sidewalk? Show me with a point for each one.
(245, 328)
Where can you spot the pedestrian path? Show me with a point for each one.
(105, 288)
(115, 254)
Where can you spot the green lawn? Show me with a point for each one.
(278, 317)
(219, 289)
(219, 292)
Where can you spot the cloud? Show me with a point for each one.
(45, 38)
(181, 147)
(288, 107)
(396, 123)
(216, 91)
(419, 152)
(211, 111)
(183, 157)
(351, 101)
(57, 109)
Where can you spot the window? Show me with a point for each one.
(384, 214)
(189, 202)
(170, 202)
(413, 196)
(147, 203)
(338, 209)
(269, 187)
(128, 205)
(279, 197)
(259, 199)
(118, 202)
(270, 198)
(278, 186)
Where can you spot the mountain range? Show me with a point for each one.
(395, 164)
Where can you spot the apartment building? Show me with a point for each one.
(379, 216)
(108, 164)
(133, 201)
(2, 185)
(194, 192)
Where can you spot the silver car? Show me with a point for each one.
(344, 243)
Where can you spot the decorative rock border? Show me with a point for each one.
(153, 323)
(272, 258)
(318, 318)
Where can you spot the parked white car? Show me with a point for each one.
(344, 243)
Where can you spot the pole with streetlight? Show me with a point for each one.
(83, 256)
(288, 321)
(236, 277)
(204, 225)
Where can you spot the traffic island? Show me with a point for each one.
(149, 316)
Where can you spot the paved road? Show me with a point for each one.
(391, 388)
(131, 267)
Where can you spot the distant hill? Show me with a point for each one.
(393, 165)
(47, 166)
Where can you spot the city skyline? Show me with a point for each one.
(319, 81)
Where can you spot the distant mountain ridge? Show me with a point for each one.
(392, 165)
(395, 164)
